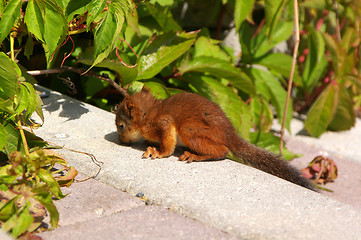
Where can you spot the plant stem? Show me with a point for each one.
(12, 53)
(22, 134)
(294, 59)
(338, 32)
(20, 126)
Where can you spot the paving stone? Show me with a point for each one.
(147, 222)
(92, 199)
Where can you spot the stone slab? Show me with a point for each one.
(92, 199)
(147, 222)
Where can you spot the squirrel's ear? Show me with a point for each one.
(128, 104)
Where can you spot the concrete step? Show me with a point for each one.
(223, 195)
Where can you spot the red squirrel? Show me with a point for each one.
(195, 122)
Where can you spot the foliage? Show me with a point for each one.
(327, 78)
(27, 184)
(330, 83)
(27, 179)
(143, 42)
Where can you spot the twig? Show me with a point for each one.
(98, 163)
(79, 71)
(294, 59)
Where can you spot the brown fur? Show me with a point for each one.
(199, 124)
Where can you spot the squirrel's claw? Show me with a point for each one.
(190, 157)
(151, 152)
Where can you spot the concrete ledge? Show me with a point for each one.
(224, 194)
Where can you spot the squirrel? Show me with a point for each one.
(189, 120)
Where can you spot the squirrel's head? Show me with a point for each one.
(130, 114)
(126, 121)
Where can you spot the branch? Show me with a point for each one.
(80, 71)
(294, 59)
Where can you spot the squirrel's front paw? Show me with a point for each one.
(151, 152)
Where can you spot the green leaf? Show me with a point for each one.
(271, 143)
(8, 210)
(337, 54)
(7, 179)
(241, 11)
(2, 6)
(104, 34)
(135, 87)
(108, 33)
(79, 7)
(45, 198)
(32, 101)
(354, 79)
(3, 136)
(23, 99)
(318, 4)
(158, 90)
(316, 63)
(262, 114)
(14, 141)
(27, 100)
(272, 89)
(163, 16)
(55, 26)
(53, 185)
(256, 47)
(231, 104)
(46, 20)
(29, 47)
(262, 45)
(322, 111)
(344, 117)
(9, 77)
(221, 69)
(279, 62)
(205, 46)
(273, 10)
(38, 108)
(34, 19)
(127, 74)
(7, 107)
(9, 16)
(23, 222)
(95, 9)
(162, 51)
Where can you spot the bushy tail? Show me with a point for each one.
(268, 162)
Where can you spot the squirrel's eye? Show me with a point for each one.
(121, 126)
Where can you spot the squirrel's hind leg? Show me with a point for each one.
(190, 157)
(204, 149)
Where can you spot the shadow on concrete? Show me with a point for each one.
(142, 146)
(70, 108)
(113, 137)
